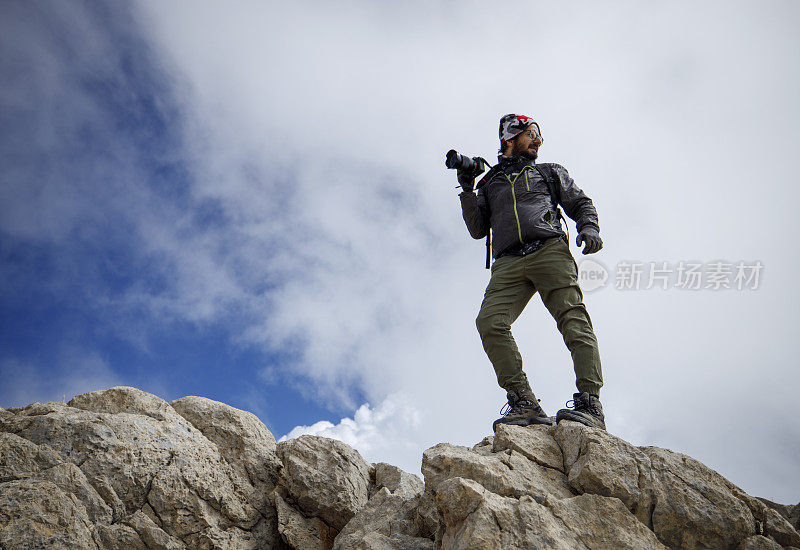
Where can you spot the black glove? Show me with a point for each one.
(466, 179)
(591, 237)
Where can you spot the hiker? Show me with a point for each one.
(518, 200)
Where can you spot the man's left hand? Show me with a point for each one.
(591, 237)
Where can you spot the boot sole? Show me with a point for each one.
(581, 419)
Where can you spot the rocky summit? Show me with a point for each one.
(123, 469)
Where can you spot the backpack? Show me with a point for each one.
(549, 176)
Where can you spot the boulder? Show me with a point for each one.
(126, 458)
(535, 443)
(36, 513)
(118, 536)
(476, 518)
(790, 512)
(21, 459)
(300, 532)
(603, 522)
(325, 478)
(598, 463)
(388, 521)
(686, 504)
(397, 481)
(693, 506)
(507, 473)
(240, 436)
(124, 399)
(151, 534)
(70, 479)
(759, 542)
(769, 521)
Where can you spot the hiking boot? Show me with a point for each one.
(586, 409)
(523, 410)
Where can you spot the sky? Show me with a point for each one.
(248, 202)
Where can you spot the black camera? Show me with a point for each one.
(456, 161)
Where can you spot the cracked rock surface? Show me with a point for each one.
(571, 486)
(124, 469)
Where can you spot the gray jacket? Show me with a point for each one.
(515, 203)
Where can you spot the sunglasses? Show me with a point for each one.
(534, 132)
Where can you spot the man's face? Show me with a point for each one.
(527, 143)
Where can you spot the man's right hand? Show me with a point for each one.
(466, 179)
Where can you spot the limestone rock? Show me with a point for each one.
(151, 534)
(427, 516)
(326, 478)
(397, 481)
(241, 437)
(759, 542)
(23, 459)
(791, 513)
(124, 399)
(603, 522)
(535, 443)
(687, 504)
(36, 513)
(388, 521)
(118, 537)
(476, 518)
(20, 458)
(694, 508)
(484, 446)
(768, 520)
(794, 516)
(300, 532)
(507, 473)
(677, 499)
(69, 478)
(599, 463)
(125, 456)
(121, 468)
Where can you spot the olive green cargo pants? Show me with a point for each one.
(552, 272)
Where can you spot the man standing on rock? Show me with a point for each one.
(518, 201)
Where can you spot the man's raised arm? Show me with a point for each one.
(473, 208)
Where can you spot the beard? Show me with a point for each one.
(526, 152)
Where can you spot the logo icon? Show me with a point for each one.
(592, 275)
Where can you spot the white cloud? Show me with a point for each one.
(385, 433)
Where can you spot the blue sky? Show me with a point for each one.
(91, 145)
(249, 203)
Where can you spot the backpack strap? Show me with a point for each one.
(488, 176)
(551, 178)
(488, 248)
(484, 180)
